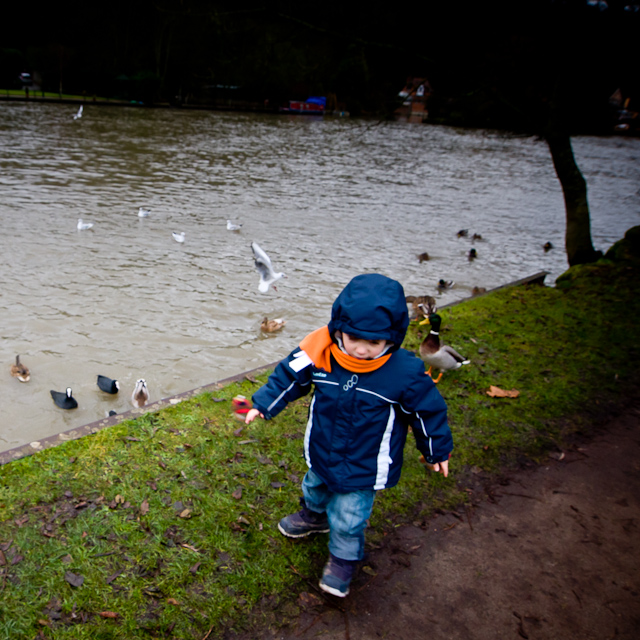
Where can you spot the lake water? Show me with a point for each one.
(326, 198)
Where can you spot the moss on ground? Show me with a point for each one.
(164, 526)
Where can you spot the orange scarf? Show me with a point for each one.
(319, 347)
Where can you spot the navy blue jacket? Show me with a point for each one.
(358, 423)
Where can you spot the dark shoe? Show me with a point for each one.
(337, 575)
(303, 523)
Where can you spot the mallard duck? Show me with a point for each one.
(271, 326)
(423, 257)
(418, 306)
(437, 355)
(476, 236)
(18, 370)
(476, 291)
(473, 254)
(463, 233)
(64, 400)
(445, 284)
(108, 385)
(547, 246)
(140, 395)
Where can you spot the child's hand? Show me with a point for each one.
(252, 414)
(438, 467)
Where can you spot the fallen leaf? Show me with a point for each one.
(277, 485)
(243, 520)
(237, 494)
(185, 514)
(172, 601)
(108, 614)
(497, 392)
(144, 507)
(251, 379)
(306, 599)
(188, 546)
(162, 464)
(44, 622)
(74, 579)
(195, 568)
(119, 499)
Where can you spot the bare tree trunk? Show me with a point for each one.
(574, 187)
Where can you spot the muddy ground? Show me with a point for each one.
(549, 552)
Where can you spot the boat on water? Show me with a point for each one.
(313, 106)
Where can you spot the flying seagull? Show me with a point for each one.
(83, 226)
(143, 213)
(79, 114)
(178, 237)
(233, 227)
(263, 264)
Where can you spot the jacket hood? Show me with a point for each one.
(372, 307)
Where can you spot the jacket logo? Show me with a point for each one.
(319, 374)
(351, 383)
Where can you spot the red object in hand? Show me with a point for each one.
(241, 405)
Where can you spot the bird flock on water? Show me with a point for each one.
(432, 350)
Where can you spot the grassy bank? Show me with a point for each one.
(164, 526)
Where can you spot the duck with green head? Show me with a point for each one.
(437, 355)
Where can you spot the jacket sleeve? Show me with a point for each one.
(289, 381)
(428, 418)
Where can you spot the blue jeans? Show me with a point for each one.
(347, 513)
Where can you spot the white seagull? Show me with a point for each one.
(143, 213)
(79, 114)
(233, 227)
(140, 395)
(83, 226)
(263, 264)
(178, 237)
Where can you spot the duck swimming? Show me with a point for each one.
(108, 385)
(140, 395)
(18, 370)
(437, 355)
(271, 326)
(64, 400)
(423, 257)
(473, 254)
(445, 284)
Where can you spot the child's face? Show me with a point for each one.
(362, 349)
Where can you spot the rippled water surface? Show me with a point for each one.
(327, 199)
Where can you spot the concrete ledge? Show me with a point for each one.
(93, 427)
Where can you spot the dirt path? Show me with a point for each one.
(553, 553)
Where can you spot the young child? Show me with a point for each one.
(367, 391)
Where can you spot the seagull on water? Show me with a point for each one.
(140, 395)
(178, 237)
(83, 226)
(143, 213)
(79, 114)
(263, 264)
(233, 227)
